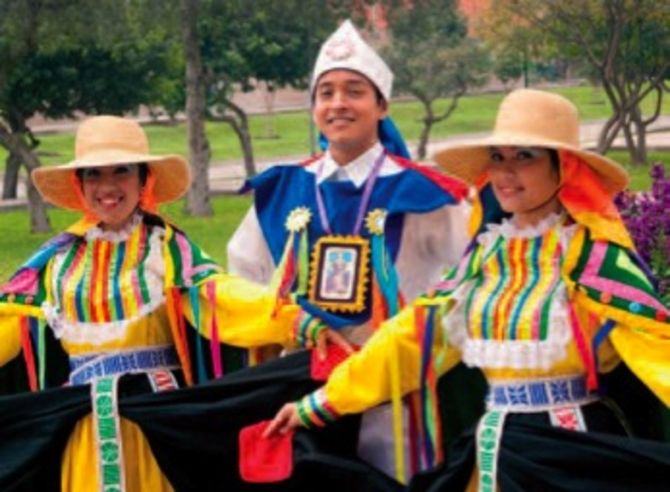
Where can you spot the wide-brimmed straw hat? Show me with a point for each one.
(108, 141)
(531, 118)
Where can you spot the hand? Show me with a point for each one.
(285, 421)
(331, 336)
(311, 332)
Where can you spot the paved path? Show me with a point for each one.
(227, 176)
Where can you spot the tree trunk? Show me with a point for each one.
(11, 179)
(423, 139)
(197, 202)
(269, 97)
(428, 120)
(15, 143)
(240, 124)
(39, 220)
(608, 133)
(639, 154)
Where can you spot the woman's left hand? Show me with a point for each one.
(285, 421)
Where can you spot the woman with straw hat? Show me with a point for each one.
(120, 291)
(548, 299)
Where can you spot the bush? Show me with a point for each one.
(647, 216)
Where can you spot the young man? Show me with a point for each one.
(386, 225)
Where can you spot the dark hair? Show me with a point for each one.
(555, 161)
(143, 171)
(381, 100)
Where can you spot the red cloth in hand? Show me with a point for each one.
(265, 460)
(321, 369)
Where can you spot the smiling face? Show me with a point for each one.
(525, 182)
(347, 110)
(112, 193)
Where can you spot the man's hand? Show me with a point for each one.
(331, 336)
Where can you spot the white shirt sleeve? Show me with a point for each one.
(431, 243)
(248, 252)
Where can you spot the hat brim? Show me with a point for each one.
(171, 172)
(469, 161)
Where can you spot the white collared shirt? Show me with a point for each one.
(356, 171)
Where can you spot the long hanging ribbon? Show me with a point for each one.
(415, 438)
(428, 420)
(303, 263)
(41, 352)
(28, 354)
(396, 403)
(214, 336)
(194, 294)
(583, 349)
(365, 200)
(385, 274)
(288, 268)
(379, 307)
(178, 328)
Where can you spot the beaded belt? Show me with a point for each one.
(86, 368)
(561, 397)
(538, 394)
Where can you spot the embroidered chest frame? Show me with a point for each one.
(339, 273)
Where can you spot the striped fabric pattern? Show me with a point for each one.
(314, 410)
(512, 296)
(101, 281)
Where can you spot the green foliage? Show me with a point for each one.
(60, 57)
(90, 79)
(430, 54)
(273, 42)
(508, 66)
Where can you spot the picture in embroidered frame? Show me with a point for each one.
(339, 273)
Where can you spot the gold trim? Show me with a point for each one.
(357, 302)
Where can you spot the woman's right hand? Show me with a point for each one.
(285, 421)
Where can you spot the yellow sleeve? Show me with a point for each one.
(247, 314)
(648, 356)
(642, 343)
(364, 379)
(10, 328)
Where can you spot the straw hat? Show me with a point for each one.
(346, 49)
(531, 118)
(108, 141)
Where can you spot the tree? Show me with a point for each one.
(232, 45)
(432, 57)
(198, 196)
(271, 45)
(53, 61)
(626, 44)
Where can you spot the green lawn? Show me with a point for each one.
(474, 114)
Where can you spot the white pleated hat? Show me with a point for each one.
(346, 49)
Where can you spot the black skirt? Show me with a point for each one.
(193, 433)
(534, 456)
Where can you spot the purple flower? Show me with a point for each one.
(647, 216)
